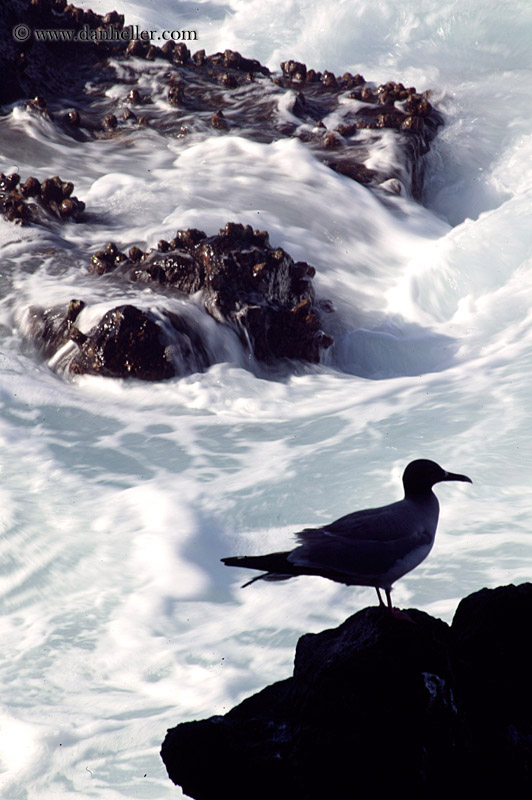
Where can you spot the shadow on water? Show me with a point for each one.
(380, 353)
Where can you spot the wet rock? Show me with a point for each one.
(235, 60)
(52, 196)
(313, 76)
(38, 104)
(391, 92)
(352, 169)
(367, 95)
(181, 54)
(30, 188)
(199, 58)
(294, 70)
(50, 329)
(176, 95)
(135, 254)
(109, 122)
(229, 81)
(219, 121)
(199, 84)
(380, 707)
(134, 96)
(106, 260)
(137, 48)
(259, 291)
(128, 342)
(328, 79)
(331, 141)
(74, 118)
(58, 68)
(8, 183)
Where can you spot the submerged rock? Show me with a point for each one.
(380, 706)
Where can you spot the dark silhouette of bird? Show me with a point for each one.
(372, 547)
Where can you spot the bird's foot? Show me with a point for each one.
(401, 615)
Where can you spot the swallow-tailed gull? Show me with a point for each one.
(372, 547)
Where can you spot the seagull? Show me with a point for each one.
(371, 547)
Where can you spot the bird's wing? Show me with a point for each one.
(383, 524)
(366, 543)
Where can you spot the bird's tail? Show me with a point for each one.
(275, 565)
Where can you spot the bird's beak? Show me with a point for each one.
(454, 476)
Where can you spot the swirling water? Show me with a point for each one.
(117, 499)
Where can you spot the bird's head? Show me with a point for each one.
(420, 476)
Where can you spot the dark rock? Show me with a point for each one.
(380, 707)
(412, 124)
(38, 104)
(247, 749)
(109, 122)
(367, 95)
(30, 188)
(168, 50)
(229, 81)
(107, 259)
(404, 669)
(294, 70)
(52, 196)
(492, 658)
(176, 95)
(199, 58)
(328, 79)
(219, 121)
(181, 53)
(134, 96)
(8, 183)
(54, 68)
(51, 328)
(73, 118)
(313, 76)
(258, 290)
(136, 48)
(352, 169)
(234, 60)
(127, 342)
(198, 85)
(330, 141)
(135, 254)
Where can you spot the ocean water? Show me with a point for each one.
(117, 499)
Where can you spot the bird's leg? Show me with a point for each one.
(381, 601)
(396, 612)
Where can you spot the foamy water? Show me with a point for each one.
(117, 499)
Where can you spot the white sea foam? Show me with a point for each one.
(118, 498)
